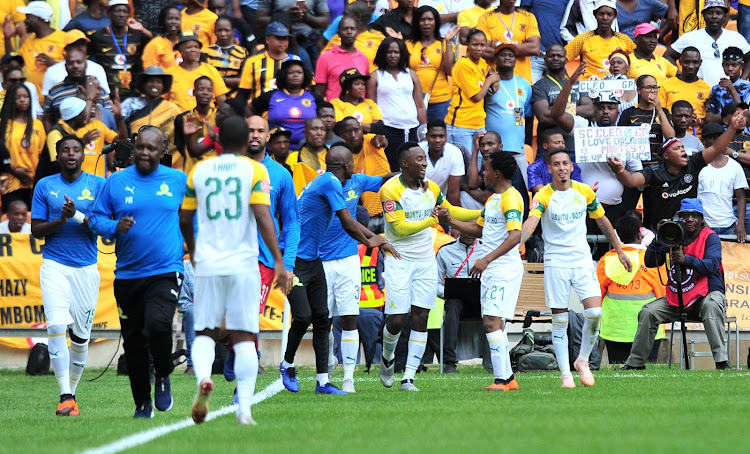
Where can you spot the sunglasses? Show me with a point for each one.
(716, 49)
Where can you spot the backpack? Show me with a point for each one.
(38, 363)
(575, 332)
(527, 356)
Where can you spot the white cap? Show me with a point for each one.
(112, 3)
(37, 8)
(71, 107)
(611, 3)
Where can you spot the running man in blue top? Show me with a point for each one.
(321, 199)
(69, 278)
(139, 207)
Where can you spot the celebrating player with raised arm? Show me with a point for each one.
(321, 199)
(409, 202)
(69, 277)
(499, 265)
(562, 206)
(231, 195)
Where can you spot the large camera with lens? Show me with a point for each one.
(672, 233)
(125, 149)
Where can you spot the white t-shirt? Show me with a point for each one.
(223, 188)
(610, 188)
(36, 108)
(451, 164)
(57, 73)
(711, 70)
(715, 189)
(25, 228)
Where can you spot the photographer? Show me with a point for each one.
(702, 287)
(676, 177)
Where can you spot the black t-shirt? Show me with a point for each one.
(395, 20)
(664, 191)
(635, 116)
(104, 50)
(546, 88)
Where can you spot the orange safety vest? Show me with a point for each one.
(370, 295)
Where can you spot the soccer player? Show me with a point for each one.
(409, 203)
(321, 199)
(341, 264)
(231, 196)
(499, 264)
(69, 277)
(562, 206)
(139, 207)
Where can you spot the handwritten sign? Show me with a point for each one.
(624, 142)
(609, 85)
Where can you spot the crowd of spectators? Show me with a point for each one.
(462, 78)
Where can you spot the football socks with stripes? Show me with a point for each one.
(417, 344)
(498, 351)
(59, 356)
(79, 353)
(349, 350)
(389, 343)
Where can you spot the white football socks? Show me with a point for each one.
(246, 369)
(560, 341)
(59, 356)
(389, 343)
(349, 350)
(202, 353)
(498, 351)
(322, 378)
(417, 344)
(331, 358)
(590, 333)
(79, 353)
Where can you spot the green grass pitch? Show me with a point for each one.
(657, 410)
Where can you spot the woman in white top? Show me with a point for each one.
(398, 93)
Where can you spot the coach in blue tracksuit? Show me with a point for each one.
(139, 207)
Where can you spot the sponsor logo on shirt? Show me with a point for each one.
(665, 195)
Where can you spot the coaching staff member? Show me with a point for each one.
(139, 207)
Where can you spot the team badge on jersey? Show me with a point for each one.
(86, 195)
(306, 103)
(164, 190)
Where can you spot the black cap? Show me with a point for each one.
(280, 131)
(731, 107)
(7, 58)
(712, 129)
(732, 53)
(187, 36)
(351, 74)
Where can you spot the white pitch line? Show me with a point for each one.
(141, 438)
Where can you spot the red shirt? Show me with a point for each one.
(335, 61)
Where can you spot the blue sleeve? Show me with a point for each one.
(290, 230)
(100, 221)
(332, 29)
(532, 172)
(526, 3)
(711, 261)
(713, 102)
(655, 256)
(39, 209)
(371, 183)
(334, 193)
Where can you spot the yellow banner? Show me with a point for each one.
(20, 295)
(21, 298)
(737, 280)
